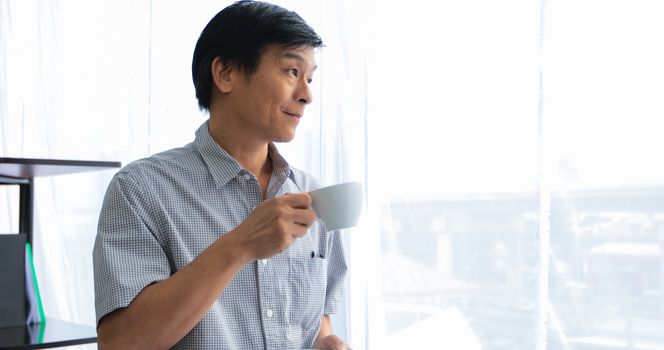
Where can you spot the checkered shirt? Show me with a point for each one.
(160, 212)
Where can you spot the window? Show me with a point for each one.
(478, 185)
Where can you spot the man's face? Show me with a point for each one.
(268, 104)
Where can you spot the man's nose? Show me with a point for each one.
(304, 93)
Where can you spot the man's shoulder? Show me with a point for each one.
(162, 163)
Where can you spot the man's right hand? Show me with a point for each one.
(274, 225)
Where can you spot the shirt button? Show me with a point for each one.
(246, 177)
(264, 261)
(269, 313)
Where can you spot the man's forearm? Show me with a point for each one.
(327, 339)
(325, 327)
(165, 312)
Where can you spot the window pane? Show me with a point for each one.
(453, 105)
(604, 88)
(453, 96)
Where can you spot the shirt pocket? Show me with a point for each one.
(308, 283)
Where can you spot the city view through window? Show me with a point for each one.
(472, 260)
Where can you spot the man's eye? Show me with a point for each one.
(293, 71)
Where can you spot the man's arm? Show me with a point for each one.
(164, 312)
(326, 339)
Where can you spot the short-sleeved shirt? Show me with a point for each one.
(160, 212)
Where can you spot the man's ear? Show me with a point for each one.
(221, 75)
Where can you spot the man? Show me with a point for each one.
(214, 245)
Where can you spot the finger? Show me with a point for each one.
(340, 345)
(298, 231)
(295, 230)
(297, 200)
(304, 217)
(299, 227)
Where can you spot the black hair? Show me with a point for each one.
(239, 34)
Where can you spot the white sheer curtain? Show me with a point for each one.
(510, 152)
(91, 81)
(110, 80)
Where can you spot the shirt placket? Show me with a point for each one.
(271, 303)
(271, 309)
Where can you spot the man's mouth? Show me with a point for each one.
(295, 115)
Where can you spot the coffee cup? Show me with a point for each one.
(338, 206)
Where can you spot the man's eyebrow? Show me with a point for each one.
(295, 56)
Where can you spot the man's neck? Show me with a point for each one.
(252, 156)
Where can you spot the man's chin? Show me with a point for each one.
(284, 137)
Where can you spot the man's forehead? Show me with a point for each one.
(304, 54)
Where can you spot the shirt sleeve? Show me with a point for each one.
(336, 272)
(127, 257)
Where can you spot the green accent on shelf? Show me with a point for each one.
(42, 327)
(28, 248)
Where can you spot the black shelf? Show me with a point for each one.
(22, 171)
(27, 168)
(50, 334)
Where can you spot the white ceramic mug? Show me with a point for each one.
(338, 206)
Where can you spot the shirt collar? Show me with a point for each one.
(223, 167)
(280, 170)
